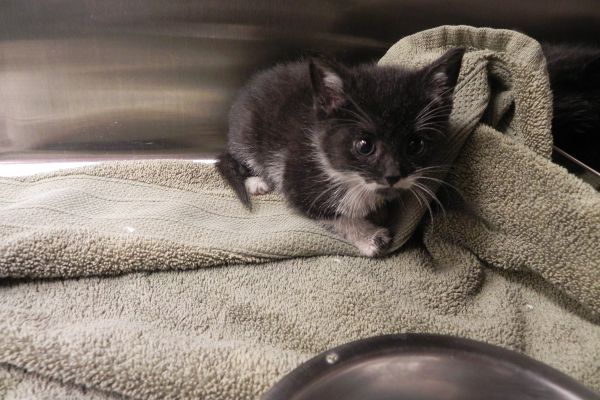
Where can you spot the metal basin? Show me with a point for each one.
(425, 367)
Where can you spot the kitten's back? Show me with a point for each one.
(269, 113)
(267, 122)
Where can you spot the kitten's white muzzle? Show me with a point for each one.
(405, 183)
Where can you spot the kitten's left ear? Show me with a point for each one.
(327, 84)
(442, 74)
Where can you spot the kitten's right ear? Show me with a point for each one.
(328, 86)
(442, 74)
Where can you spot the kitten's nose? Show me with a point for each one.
(391, 179)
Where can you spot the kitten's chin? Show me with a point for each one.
(388, 193)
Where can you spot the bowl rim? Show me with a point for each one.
(378, 346)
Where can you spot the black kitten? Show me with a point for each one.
(575, 81)
(340, 143)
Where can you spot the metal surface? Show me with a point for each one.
(585, 172)
(425, 367)
(97, 79)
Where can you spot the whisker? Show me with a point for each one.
(435, 166)
(442, 182)
(362, 111)
(430, 128)
(426, 202)
(432, 113)
(437, 113)
(435, 169)
(366, 121)
(431, 194)
(345, 203)
(435, 110)
(417, 197)
(314, 202)
(347, 121)
(434, 100)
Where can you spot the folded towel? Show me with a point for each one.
(148, 279)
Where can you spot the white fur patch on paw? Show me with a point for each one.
(375, 245)
(256, 185)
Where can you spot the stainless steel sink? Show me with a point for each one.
(103, 79)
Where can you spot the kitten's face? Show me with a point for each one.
(385, 124)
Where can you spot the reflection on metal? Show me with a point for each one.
(96, 79)
(583, 171)
(21, 168)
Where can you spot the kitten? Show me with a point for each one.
(340, 143)
(575, 81)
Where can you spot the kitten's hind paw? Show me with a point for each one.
(256, 185)
(376, 244)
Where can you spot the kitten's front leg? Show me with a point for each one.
(370, 239)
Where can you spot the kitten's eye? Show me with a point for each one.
(416, 147)
(364, 147)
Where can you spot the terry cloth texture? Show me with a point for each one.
(149, 280)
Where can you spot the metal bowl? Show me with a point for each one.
(424, 367)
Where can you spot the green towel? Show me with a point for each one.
(148, 279)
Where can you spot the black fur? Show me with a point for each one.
(575, 80)
(235, 174)
(301, 128)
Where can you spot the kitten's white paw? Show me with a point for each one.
(256, 185)
(376, 244)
